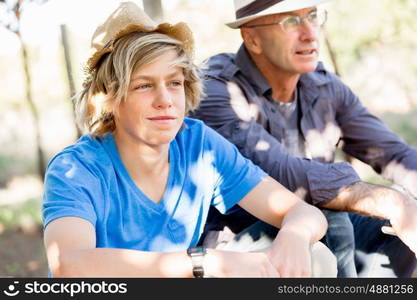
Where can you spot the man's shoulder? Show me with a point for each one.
(325, 73)
(218, 65)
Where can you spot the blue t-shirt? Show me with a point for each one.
(88, 180)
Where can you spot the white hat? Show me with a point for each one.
(248, 10)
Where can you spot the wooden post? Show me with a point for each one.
(332, 53)
(154, 9)
(68, 68)
(29, 99)
(34, 111)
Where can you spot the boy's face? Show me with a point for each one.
(154, 109)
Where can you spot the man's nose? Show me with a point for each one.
(309, 32)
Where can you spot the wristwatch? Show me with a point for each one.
(197, 257)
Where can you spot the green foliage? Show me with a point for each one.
(25, 215)
(7, 164)
(356, 27)
(11, 166)
(377, 179)
(405, 125)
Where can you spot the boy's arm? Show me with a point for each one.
(301, 225)
(71, 251)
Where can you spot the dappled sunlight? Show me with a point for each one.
(262, 145)
(244, 110)
(165, 240)
(181, 227)
(206, 161)
(72, 169)
(175, 222)
(105, 31)
(402, 176)
(381, 86)
(54, 254)
(301, 192)
(97, 38)
(206, 165)
(157, 261)
(322, 143)
(323, 262)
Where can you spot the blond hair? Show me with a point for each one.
(107, 84)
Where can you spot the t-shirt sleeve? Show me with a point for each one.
(235, 175)
(70, 189)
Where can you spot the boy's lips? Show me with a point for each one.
(162, 118)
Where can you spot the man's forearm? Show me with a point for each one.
(371, 200)
(381, 202)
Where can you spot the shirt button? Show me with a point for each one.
(273, 109)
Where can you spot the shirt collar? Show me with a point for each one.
(317, 78)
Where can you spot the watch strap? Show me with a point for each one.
(197, 255)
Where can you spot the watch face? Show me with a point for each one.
(196, 251)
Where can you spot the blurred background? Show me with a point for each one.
(45, 43)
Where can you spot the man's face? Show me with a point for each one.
(288, 52)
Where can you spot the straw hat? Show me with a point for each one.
(248, 10)
(127, 18)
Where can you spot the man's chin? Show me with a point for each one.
(306, 68)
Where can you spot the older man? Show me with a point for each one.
(287, 113)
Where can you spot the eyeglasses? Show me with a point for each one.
(294, 23)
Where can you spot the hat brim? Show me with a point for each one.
(179, 31)
(280, 7)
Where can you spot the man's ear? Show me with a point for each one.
(251, 40)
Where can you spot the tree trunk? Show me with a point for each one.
(33, 110)
(70, 79)
(332, 54)
(154, 9)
